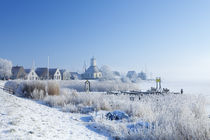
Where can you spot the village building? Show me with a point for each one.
(31, 74)
(42, 73)
(93, 71)
(65, 75)
(75, 76)
(18, 72)
(142, 75)
(54, 74)
(132, 74)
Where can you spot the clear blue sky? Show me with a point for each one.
(170, 37)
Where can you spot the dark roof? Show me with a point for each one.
(42, 72)
(62, 71)
(27, 71)
(92, 69)
(16, 69)
(52, 71)
(74, 73)
(18, 72)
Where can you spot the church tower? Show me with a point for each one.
(93, 71)
(93, 62)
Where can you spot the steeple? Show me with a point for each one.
(84, 67)
(93, 61)
(33, 65)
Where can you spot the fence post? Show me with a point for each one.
(87, 86)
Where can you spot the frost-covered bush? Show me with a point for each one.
(34, 89)
(163, 117)
(173, 117)
(78, 85)
(151, 117)
(53, 88)
(99, 86)
(107, 74)
(5, 68)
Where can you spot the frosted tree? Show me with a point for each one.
(107, 74)
(5, 68)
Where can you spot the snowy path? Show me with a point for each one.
(25, 119)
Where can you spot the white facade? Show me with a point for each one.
(31, 75)
(65, 75)
(92, 72)
(55, 74)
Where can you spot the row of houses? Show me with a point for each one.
(18, 72)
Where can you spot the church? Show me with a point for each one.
(92, 72)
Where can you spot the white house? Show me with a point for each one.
(31, 74)
(66, 75)
(55, 74)
(92, 72)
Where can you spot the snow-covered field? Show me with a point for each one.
(22, 118)
(155, 117)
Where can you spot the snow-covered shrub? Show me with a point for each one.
(107, 74)
(99, 86)
(34, 89)
(5, 68)
(70, 108)
(53, 88)
(116, 115)
(173, 117)
(151, 117)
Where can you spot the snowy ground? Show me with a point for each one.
(26, 119)
(22, 118)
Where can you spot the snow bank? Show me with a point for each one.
(25, 119)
